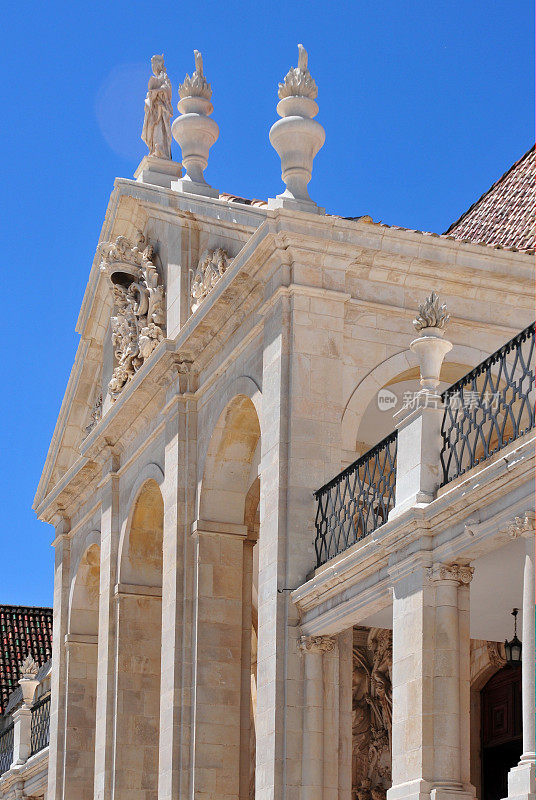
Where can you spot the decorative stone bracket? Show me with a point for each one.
(139, 300)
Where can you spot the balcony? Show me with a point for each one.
(483, 412)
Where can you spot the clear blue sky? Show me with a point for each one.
(424, 104)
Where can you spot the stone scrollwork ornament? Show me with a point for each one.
(211, 266)
(139, 302)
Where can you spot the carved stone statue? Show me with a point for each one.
(139, 303)
(211, 266)
(156, 131)
(371, 713)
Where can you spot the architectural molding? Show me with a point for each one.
(316, 644)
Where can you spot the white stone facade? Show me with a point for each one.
(197, 652)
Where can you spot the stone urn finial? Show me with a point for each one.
(297, 137)
(28, 679)
(431, 348)
(195, 131)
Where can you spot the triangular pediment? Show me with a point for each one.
(125, 216)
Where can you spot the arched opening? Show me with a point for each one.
(81, 684)
(227, 583)
(139, 638)
(501, 731)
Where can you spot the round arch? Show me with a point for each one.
(140, 555)
(402, 366)
(151, 474)
(227, 468)
(84, 594)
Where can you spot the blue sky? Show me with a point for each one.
(424, 104)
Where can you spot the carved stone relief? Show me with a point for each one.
(139, 303)
(211, 266)
(96, 413)
(372, 707)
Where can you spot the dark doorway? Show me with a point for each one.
(501, 731)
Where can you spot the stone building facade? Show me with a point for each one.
(218, 634)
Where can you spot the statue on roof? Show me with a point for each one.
(156, 131)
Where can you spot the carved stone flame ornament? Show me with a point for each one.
(298, 80)
(211, 266)
(139, 301)
(431, 314)
(372, 712)
(29, 668)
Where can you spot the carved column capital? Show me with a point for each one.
(522, 526)
(316, 644)
(461, 573)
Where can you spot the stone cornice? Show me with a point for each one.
(280, 239)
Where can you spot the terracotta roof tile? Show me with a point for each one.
(504, 215)
(23, 630)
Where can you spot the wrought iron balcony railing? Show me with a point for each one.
(40, 726)
(356, 501)
(490, 407)
(6, 748)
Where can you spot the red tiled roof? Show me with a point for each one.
(504, 215)
(22, 630)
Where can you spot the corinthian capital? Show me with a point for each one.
(462, 573)
(316, 644)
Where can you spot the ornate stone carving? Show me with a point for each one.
(156, 132)
(139, 302)
(462, 573)
(29, 668)
(96, 412)
(197, 85)
(316, 644)
(195, 131)
(298, 80)
(372, 708)
(494, 654)
(211, 266)
(297, 137)
(521, 526)
(431, 314)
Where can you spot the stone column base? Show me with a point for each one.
(157, 171)
(187, 186)
(423, 790)
(283, 201)
(522, 781)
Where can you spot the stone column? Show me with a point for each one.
(430, 735)
(345, 643)
(300, 450)
(217, 643)
(522, 778)
(312, 777)
(105, 702)
(245, 692)
(80, 693)
(177, 587)
(62, 545)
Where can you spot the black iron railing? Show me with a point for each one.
(356, 501)
(490, 407)
(6, 748)
(39, 733)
